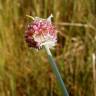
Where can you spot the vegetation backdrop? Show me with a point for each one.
(26, 72)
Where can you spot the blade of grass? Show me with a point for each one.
(94, 73)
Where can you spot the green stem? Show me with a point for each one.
(56, 71)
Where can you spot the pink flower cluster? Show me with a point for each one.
(40, 32)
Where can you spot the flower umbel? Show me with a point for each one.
(41, 32)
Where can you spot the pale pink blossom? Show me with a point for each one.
(41, 32)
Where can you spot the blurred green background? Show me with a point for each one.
(26, 72)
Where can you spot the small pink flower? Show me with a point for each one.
(41, 32)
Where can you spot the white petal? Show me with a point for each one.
(49, 18)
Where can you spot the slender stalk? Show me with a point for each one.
(77, 25)
(94, 73)
(56, 72)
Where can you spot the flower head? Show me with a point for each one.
(41, 32)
